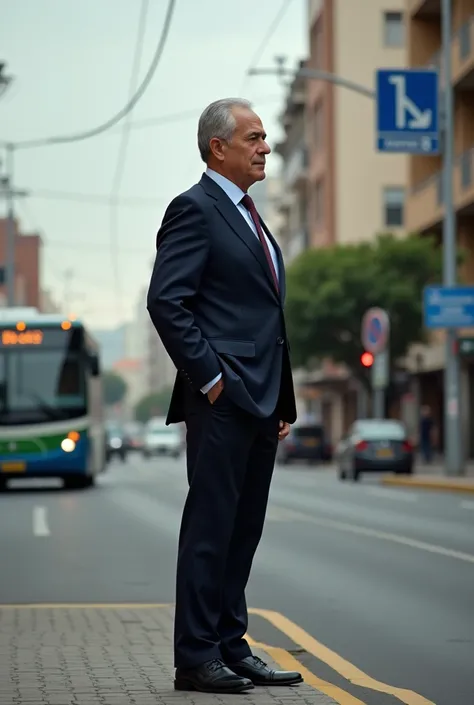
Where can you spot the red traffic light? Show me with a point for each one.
(367, 359)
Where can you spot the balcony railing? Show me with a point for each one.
(425, 205)
(465, 38)
(465, 168)
(462, 47)
(296, 165)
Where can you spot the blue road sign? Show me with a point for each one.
(375, 330)
(407, 111)
(448, 307)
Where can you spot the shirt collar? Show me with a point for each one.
(232, 190)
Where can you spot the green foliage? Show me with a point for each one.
(115, 388)
(155, 404)
(330, 289)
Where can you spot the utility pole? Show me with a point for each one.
(10, 193)
(4, 79)
(453, 435)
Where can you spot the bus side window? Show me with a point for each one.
(94, 364)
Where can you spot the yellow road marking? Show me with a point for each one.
(336, 662)
(385, 536)
(289, 663)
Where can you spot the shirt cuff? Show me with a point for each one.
(210, 385)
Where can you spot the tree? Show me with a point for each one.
(115, 388)
(155, 404)
(330, 289)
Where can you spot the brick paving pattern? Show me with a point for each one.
(105, 656)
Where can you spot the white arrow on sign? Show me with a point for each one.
(421, 120)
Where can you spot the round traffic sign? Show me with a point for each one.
(375, 330)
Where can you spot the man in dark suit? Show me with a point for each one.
(216, 299)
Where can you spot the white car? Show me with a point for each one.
(162, 440)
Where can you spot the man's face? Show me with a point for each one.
(242, 160)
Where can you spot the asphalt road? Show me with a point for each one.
(383, 577)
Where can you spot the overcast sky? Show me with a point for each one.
(72, 64)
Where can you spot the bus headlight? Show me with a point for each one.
(68, 445)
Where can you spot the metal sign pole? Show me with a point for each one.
(380, 378)
(375, 336)
(452, 426)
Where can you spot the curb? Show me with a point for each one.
(440, 485)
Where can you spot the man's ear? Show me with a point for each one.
(218, 147)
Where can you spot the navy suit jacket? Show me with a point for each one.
(215, 307)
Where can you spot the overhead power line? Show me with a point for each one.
(87, 134)
(122, 153)
(265, 40)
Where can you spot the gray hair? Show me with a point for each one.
(217, 121)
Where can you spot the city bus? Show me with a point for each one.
(51, 406)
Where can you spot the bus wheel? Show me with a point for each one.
(77, 482)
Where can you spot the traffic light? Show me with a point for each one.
(367, 359)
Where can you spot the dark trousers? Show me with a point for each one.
(230, 458)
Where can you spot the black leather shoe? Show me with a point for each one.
(211, 677)
(258, 672)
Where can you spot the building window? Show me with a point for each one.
(318, 127)
(394, 29)
(319, 203)
(394, 206)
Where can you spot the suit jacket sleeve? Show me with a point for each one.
(182, 251)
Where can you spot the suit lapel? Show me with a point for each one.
(238, 224)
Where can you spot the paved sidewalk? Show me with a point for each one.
(106, 655)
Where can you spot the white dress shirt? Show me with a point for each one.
(236, 194)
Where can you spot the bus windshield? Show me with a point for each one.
(41, 385)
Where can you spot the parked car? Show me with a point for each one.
(134, 432)
(116, 444)
(160, 439)
(305, 442)
(375, 445)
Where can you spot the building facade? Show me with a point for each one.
(424, 204)
(337, 188)
(28, 248)
(354, 192)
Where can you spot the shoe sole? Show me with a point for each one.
(271, 684)
(185, 685)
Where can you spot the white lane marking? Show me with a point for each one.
(388, 494)
(386, 536)
(40, 522)
(465, 504)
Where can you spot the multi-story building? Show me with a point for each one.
(339, 189)
(294, 187)
(424, 205)
(354, 191)
(27, 266)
